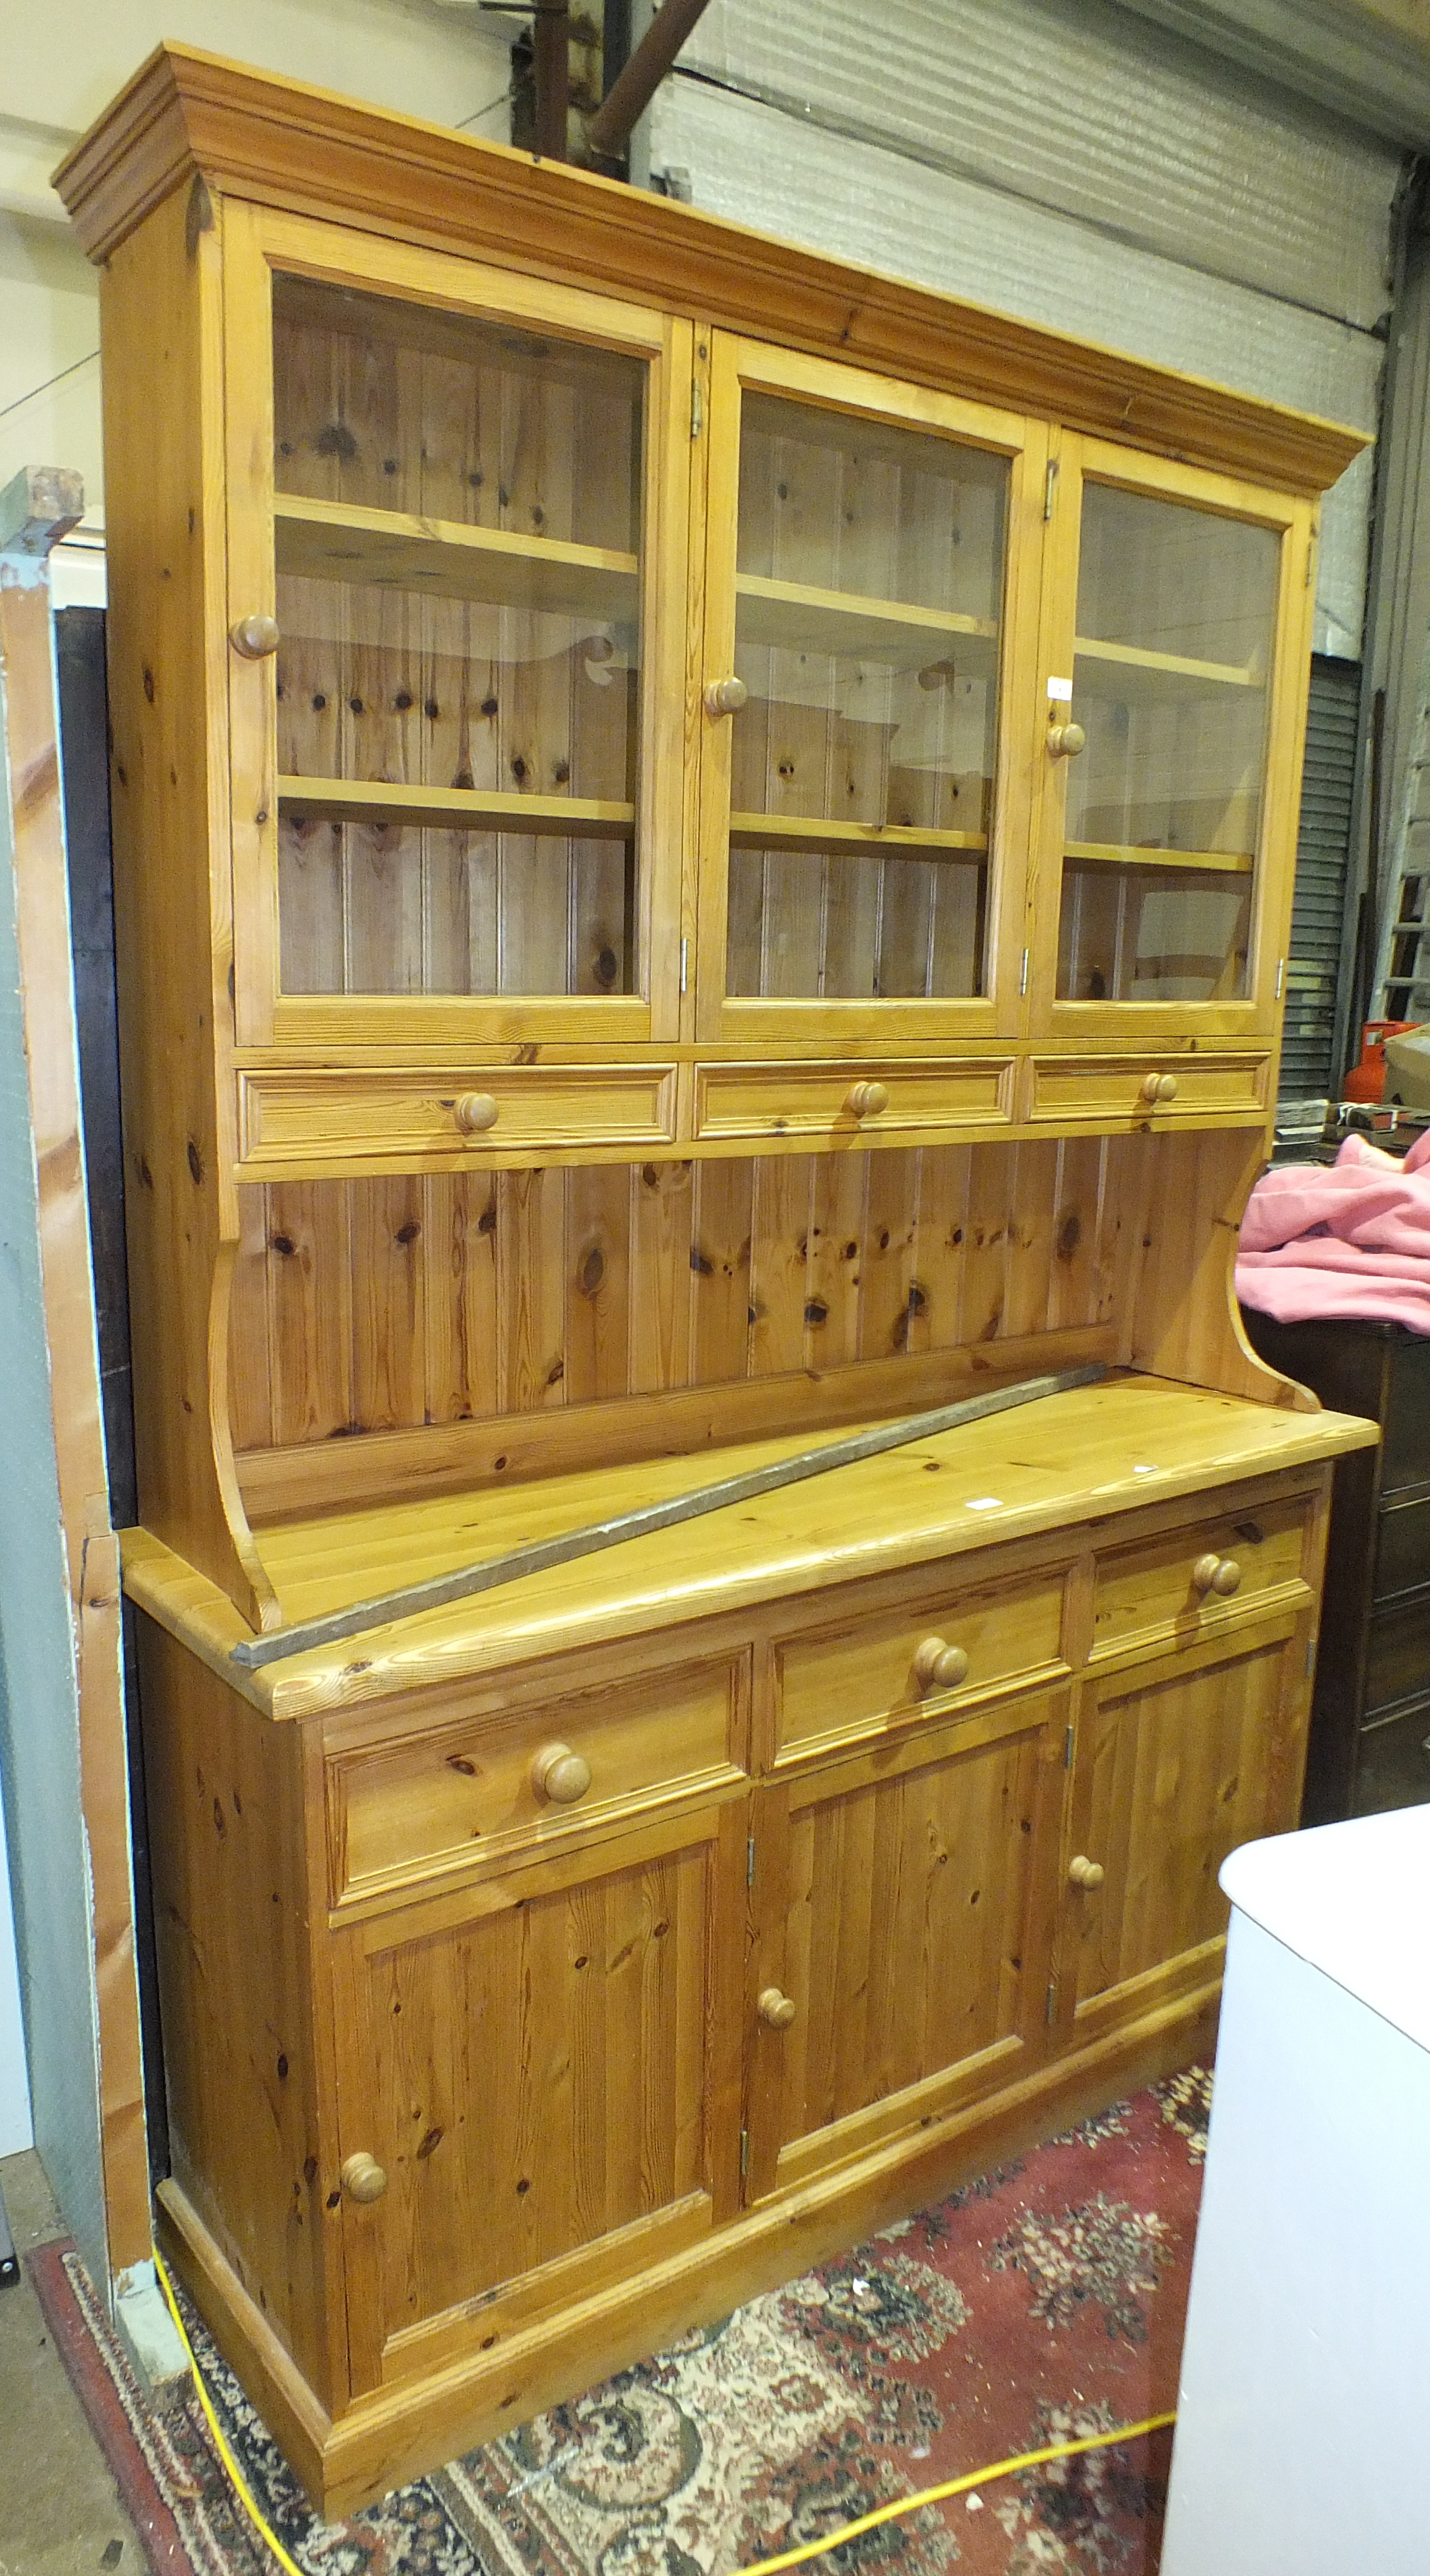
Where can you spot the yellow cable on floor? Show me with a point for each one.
(762, 2566)
(236, 2476)
(953, 2487)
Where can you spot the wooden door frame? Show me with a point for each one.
(257, 241)
(853, 1027)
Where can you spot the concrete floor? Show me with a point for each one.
(60, 2513)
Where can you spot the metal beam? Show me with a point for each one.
(635, 86)
(596, 1535)
(551, 78)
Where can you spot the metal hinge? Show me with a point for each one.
(1023, 973)
(1052, 2002)
(750, 1862)
(1310, 1657)
(1280, 975)
(684, 961)
(744, 2152)
(1049, 486)
(1311, 551)
(697, 408)
(1068, 1749)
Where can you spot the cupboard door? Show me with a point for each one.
(903, 1904)
(1177, 1762)
(1176, 644)
(871, 585)
(457, 500)
(545, 2070)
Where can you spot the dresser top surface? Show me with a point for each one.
(1128, 1443)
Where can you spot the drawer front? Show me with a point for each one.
(1403, 1556)
(862, 1672)
(1393, 1764)
(857, 1102)
(1406, 1460)
(291, 1120)
(1397, 1661)
(469, 1793)
(1063, 1089)
(1151, 1590)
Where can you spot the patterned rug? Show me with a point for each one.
(1040, 2303)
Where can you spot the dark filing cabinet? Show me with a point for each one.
(1370, 1724)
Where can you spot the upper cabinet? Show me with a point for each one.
(1175, 652)
(658, 688)
(601, 680)
(869, 661)
(457, 556)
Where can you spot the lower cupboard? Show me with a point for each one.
(914, 1869)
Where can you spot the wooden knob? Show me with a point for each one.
(940, 1667)
(726, 697)
(476, 1111)
(1166, 1086)
(777, 2009)
(560, 1775)
(1219, 1574)
(869, 1099)
(254, 637)
(1085, 1873)
(1065, 741)
(363, 2178)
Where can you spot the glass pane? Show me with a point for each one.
(1175, 624)
(869, 581)
(457, 534)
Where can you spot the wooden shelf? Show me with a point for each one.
(1128, 671)
(390, 549)
(798, 619)
(877, 840)
(463, 809)
(1091, 1452)
(1115, 854)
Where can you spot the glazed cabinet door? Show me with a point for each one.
(1176, 639)
(538, 2085)
(456, 605)
(871, 581)
(903, 1907)
(1177, 1762)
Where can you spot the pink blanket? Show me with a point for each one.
(1349, 1238)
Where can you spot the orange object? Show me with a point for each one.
(1366, 1080)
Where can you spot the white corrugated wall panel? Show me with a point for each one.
(802, 182)
(1078, 106)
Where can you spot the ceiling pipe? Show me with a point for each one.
(551, 78)
(636, 84)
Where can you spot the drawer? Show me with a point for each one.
(1406, 1459)
(852, 1101)
(470, 1792)
(1397, 1657)
(1065, 1088)
(1393, 1763)
(1156, 1588)
(861, 1672)
(289, 1121)
(1403, 1555)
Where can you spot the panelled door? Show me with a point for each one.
(1178, 1761)
(544, 2072)
(903, 1904)
(1175, 641)
(456, 596)
(870, 609)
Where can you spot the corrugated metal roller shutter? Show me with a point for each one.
(1067, 161)
(1321, 860)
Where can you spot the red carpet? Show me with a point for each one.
(1043, 2302)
